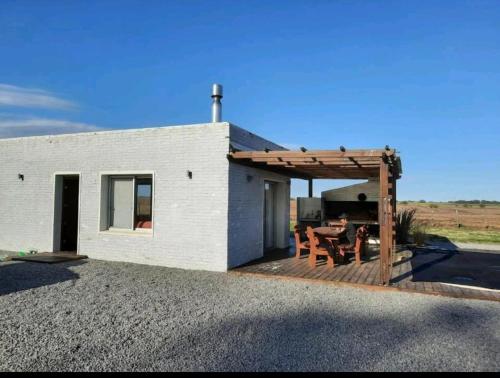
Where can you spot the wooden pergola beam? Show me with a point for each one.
(282, 170)
(323, 164)
(349, 164)
(343, 175)
(320, 153)
(355, 162)
(306, 159)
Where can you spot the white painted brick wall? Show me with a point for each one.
(190, 216)
(212, 222)
(246, 203)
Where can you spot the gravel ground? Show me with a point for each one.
(94, 315)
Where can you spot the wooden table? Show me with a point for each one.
(331, 235)
(338, 223)
(328, 232)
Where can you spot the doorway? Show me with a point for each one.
(270, 198)
(66, 213)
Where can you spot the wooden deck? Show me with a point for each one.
(426, 273)
(50, 257)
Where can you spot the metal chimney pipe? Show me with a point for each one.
(216, 104)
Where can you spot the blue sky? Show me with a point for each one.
(421, 76)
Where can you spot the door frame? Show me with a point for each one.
(273, 185)
(56, 218)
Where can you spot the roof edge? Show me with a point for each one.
(116, 131)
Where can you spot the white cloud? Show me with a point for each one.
(11, 95)
(18, 127)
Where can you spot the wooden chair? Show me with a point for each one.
(299, 245)
(316, 248)
(359, 247)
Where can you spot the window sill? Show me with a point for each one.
(124, 231)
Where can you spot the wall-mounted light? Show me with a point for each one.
(249, 178)
(190, 174)
(20, 176)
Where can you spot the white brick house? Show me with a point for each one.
(199, 210)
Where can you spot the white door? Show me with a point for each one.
(122, 203)
(269, 214)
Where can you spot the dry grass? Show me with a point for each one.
(450, 216)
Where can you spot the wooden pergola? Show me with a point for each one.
(382, 164)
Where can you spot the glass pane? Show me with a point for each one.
(144, 190)
(122, 203)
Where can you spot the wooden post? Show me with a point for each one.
(310, 188)
(391, 230)
(394, 209)
(385, 223)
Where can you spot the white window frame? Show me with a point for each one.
(109, 176)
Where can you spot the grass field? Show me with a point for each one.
(460, 223)
(465, 235)
(452, 216)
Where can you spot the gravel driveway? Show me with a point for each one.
(94, 315)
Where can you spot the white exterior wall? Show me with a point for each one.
(190, 226)
(246, 203)
(213, 221)
(350, 193)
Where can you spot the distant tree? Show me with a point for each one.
(475, 202)
(422, 201)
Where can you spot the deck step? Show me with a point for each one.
(50, 257)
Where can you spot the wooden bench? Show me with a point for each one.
(317, 248)
(358, 248)
(299, 245)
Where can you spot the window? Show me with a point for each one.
(144, 192)
(130, 202)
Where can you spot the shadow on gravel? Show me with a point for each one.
(21, 276)
(461, 267)
(319, 340)
(443, 261)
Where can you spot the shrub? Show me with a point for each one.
(404, 222)
(482, 206)
(403, 202)
(419, 233)
(433, 206)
